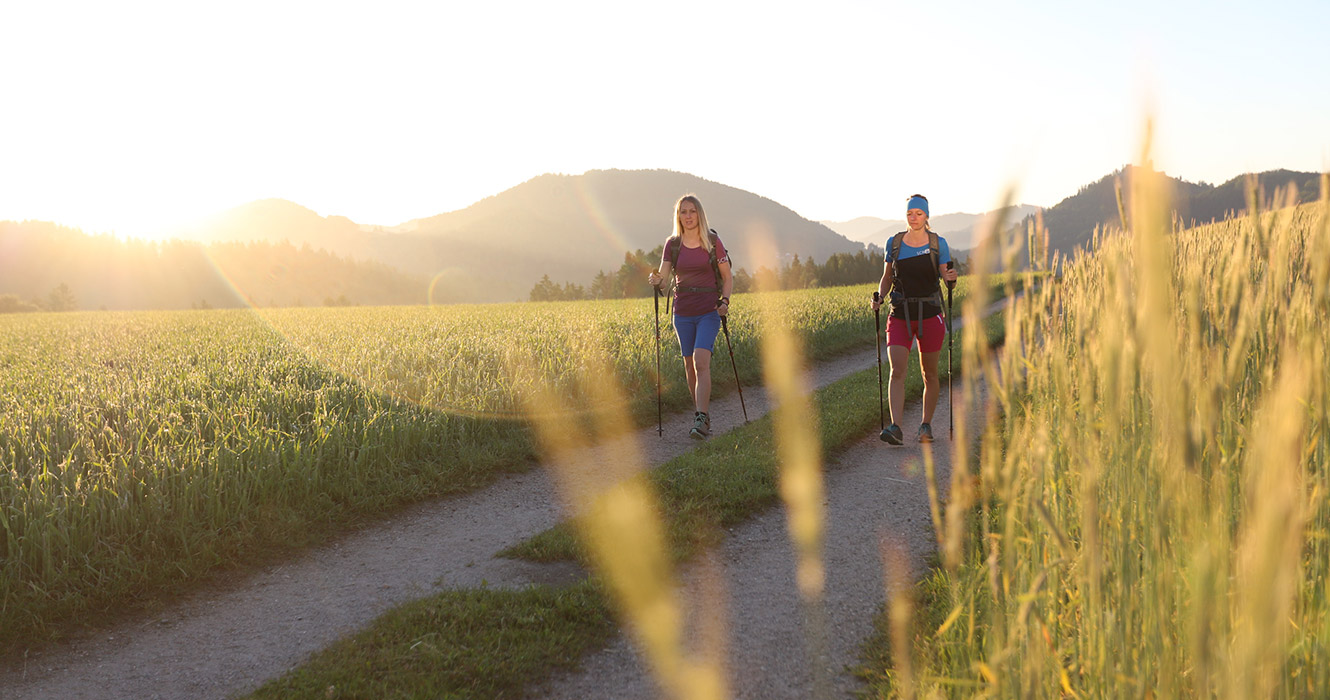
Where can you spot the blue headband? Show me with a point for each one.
(918, 203)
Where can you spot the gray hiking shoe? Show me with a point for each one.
(892, 435)
(925, 432)
(701, 426)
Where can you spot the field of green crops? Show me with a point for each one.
(141, 451)
(1150, 516)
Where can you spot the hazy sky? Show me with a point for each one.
(132, 116)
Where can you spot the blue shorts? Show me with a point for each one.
(697, 332)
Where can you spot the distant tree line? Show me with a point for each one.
(630, 280)
(59, 299)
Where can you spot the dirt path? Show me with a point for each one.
(225, 641)
(874, 493)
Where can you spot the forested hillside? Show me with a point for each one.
(1072, 222)
(45, 266)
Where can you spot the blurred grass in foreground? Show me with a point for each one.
(1149, 517)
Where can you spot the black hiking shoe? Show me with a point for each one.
(925, 432)
(892, 435)
(701, 426)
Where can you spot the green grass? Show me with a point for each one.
(460, 644)
(142, 452)
(720, 483)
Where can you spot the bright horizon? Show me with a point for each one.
(140, 117)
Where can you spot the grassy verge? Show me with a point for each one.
(722, 482)
(473, 644)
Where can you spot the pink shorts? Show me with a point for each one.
(930, 332)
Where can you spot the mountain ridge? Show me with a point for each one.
(569, 227)
(1072, 222)
(566, 227)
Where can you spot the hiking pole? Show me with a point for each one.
(877, 336)
(660, 425)
(725, 325)
(951, 365)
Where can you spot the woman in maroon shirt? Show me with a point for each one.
(701, 267)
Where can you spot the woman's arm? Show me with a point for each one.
(942, 271)
(660, 275)
(882, 286)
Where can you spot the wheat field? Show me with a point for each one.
(1147, 514)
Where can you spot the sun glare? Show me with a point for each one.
(156, 224)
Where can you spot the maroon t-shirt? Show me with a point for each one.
(694, 270)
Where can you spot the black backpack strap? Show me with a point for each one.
(895, 247)
(935, 250)
(715, 263)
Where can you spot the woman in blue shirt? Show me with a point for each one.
(914, 264)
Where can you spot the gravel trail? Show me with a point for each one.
(875, 494)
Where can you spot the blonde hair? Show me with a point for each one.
(701, 221)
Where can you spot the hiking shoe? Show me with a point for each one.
(701, 426)
(925, 432)
(892, 435)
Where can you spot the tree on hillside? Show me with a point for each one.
(61, 299)
(544, 290)
(602, 287)
(743, 282)
(766, 278)
(572, 292)
(632, 274)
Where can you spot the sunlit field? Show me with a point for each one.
(140, 451)
(1148, 516)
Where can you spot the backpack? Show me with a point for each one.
(933, 252)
